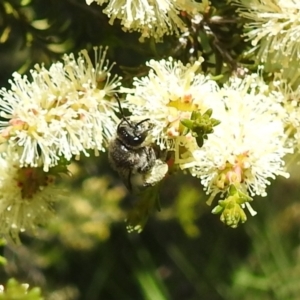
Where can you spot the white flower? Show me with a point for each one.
(291, 104)
(169, 94)
(152, 18)
(62, 112)
(246, 150)
(274, 28)
(242, 153)
(26, 198)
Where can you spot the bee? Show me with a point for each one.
(139, 164)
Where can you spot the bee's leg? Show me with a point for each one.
(147, 159)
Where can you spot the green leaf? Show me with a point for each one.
(17, 291)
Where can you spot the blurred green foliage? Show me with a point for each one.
(184, 252)
(16, 291)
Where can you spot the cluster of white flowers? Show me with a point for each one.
(26, 198)
(233, 137)
(244, 151)
(62, 112)
(169, 94)
(151, 18)
(291, 104)
(248, 146)
(273, 26)
(59, 114)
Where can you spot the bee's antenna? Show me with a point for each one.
(121, 110)
(141, 122)
(119, 104)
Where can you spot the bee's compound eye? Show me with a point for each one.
(137, 140)
(142, 128)
(122, 131)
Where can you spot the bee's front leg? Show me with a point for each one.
(147, 159)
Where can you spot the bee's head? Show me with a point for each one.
(133, 134)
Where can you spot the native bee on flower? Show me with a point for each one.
(138, 163)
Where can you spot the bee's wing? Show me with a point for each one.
(126, 176)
